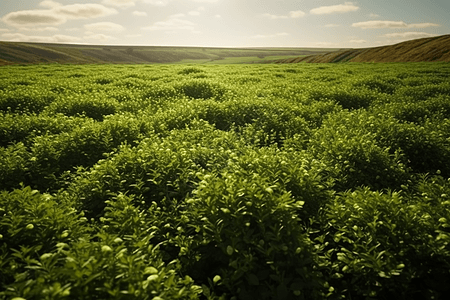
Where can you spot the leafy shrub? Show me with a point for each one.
(23, 128)
(103, 80)
(425, 148)
(25, 100)
(202, 89)
(190, 70)
(348, 98)
(155, 171)
(298, 173)
(388, 246)
(130, 83)
(14, 166)
(51, 155)
(160, 92)
(353, 156)
(92, 107)
(32, 224)
(408, 110)
(380, 84)
(425, 91)
(246, 231)
(273, 121)
(102, 265)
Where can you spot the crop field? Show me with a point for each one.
(237, 60)
(299, 181)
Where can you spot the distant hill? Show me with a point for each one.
(419, 50)
(32, 53)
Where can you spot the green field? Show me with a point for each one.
(38, 53)
(237, 60)
(299, 181)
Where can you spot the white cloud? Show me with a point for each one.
(120, 3)
(264, 36)
(391, 24)
(39, 29)
(408, 35)
(340, 8)
(274, 17)
(291, 14)
(4, 30)
(380, 24)
(373, 15)
(33, 18)
(49, 4)
(140, 13)
(331, 25)
(85, 11)
(57, 15)
(423, 25)
(58, 38)
(158, 2)
(218, 16)
(296, 14)
(99, 37)
(173, 23)
(133, 35)
(358, 41)
(104, 26)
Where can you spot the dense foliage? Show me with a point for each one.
(230, 182)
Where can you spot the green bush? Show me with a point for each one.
(380, 84)
(202, 89)
(65, 263)
(14, 166)
(426, 91)
(248, 241)
(25, 100)
(155, 171)
(354, 158)
(408, 110)
(190, 70)
(23, 128)
(348, 98)
(32, 224)
(304, 177)
(387, 246)
(95, 107)
(51, 155)
(272, 122)
(425, 148)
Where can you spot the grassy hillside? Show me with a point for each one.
(420, 50)
(26, 53)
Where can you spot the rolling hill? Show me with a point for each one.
(419, 50)
(32, 53)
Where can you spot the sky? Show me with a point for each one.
(224, 23)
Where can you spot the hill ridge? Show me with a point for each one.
(417, 50)
(31, 53)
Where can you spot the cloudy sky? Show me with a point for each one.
(223, 23)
